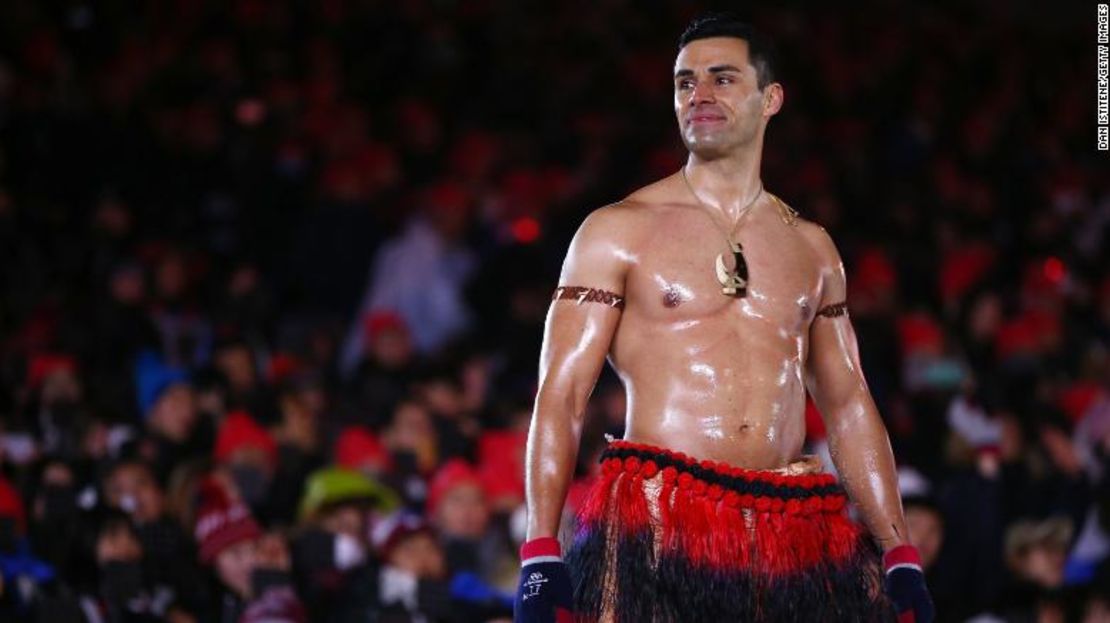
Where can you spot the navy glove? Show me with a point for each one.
(905, 585)
(544, 594)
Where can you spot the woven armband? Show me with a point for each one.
(834, 310)
(582, 294)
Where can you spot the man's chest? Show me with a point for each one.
(678, 274)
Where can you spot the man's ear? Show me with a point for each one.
(772, 98)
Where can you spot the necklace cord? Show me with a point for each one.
(743, 211)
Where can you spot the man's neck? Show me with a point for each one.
(728, 183)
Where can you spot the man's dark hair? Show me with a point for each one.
(761, 50)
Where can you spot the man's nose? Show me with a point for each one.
(702, 92)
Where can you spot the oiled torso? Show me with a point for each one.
(714, 376)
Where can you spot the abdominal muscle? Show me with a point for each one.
(715, 393)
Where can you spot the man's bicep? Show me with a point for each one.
(833, 368)
(586, 305)
(576, 341)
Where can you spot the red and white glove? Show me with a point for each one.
(544, 594)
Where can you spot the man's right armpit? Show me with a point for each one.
(582, 294)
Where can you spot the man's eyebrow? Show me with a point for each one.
(716, 69)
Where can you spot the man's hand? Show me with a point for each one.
(544, 594)
(905, 585)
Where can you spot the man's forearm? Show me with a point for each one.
(860, 449)
(550, 459)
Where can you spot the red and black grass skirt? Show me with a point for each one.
(664, 537)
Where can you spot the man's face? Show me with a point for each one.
(117, 543)
(236, 363)
(174, 415)
(234, 566)
(132, 488)
(1043, 564)
(463, 512)
(717, 100)
(420, 555)
(347, 519)
(391, 347)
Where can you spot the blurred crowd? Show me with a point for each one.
(274, 277)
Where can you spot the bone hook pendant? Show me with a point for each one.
(732, 284)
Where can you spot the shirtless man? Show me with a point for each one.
(716, 364)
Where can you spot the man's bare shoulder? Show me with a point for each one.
(621, 220)
(604, 237)
(820, 241)
(666, 191)
(604, 247)
(611, 216)
(605, 226)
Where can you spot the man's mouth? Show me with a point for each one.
(705, 118)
